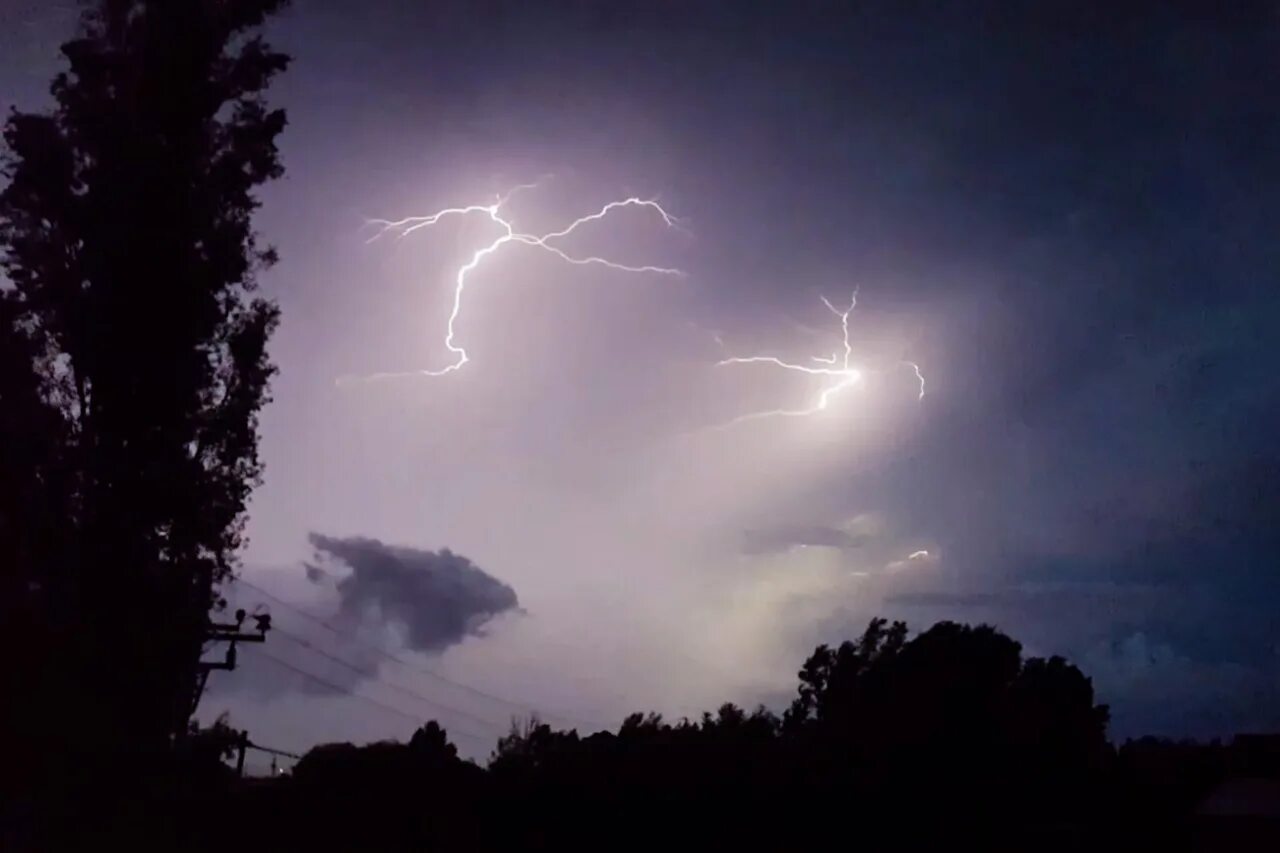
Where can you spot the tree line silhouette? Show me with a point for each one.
(890, 739)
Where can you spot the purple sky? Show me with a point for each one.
(1067, 219)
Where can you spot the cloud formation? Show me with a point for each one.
(1167, 691)
(438, 597)
(776, 540)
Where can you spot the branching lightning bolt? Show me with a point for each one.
(401, 228)
(837, 368)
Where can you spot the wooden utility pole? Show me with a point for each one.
(241, 745)
(244, 743)
(229, 633)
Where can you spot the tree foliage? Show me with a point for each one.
(133, 357)
(954, 713)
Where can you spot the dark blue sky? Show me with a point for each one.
(1066, 213)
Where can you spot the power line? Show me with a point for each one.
(349, 692)
(375, 677)
(523, 706)
(273, 751)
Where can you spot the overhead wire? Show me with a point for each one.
(475, 691)
(373, 676)
(414, 718)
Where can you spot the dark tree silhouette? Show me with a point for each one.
(132, 363)
(32, 439)
(952, 720)
(829, 678)
(382, 795)
(430, 745)
(953, 716)
(531, 747)
(897, 741)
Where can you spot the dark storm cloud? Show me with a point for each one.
(434, 598)
(774, 540)
(1104, 421)
(1044, 596)
(1084, 194)
(947, 599)
(438, 597)
(1169, 691)
(1175, 655)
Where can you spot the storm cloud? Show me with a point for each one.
(438, 597)
(1071, 235)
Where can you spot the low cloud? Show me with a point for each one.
(955, 599)
(1038, 596)
(776, 540)
(437, 597)
(1155, 688)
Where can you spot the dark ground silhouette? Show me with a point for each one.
(947, 737)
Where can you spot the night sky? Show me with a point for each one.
(1067, 218)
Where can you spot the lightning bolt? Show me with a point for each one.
(401, 228)
(919, 376)
(837, 369)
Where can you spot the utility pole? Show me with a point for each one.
(229, 633)
(241, 745)
(244, 743)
